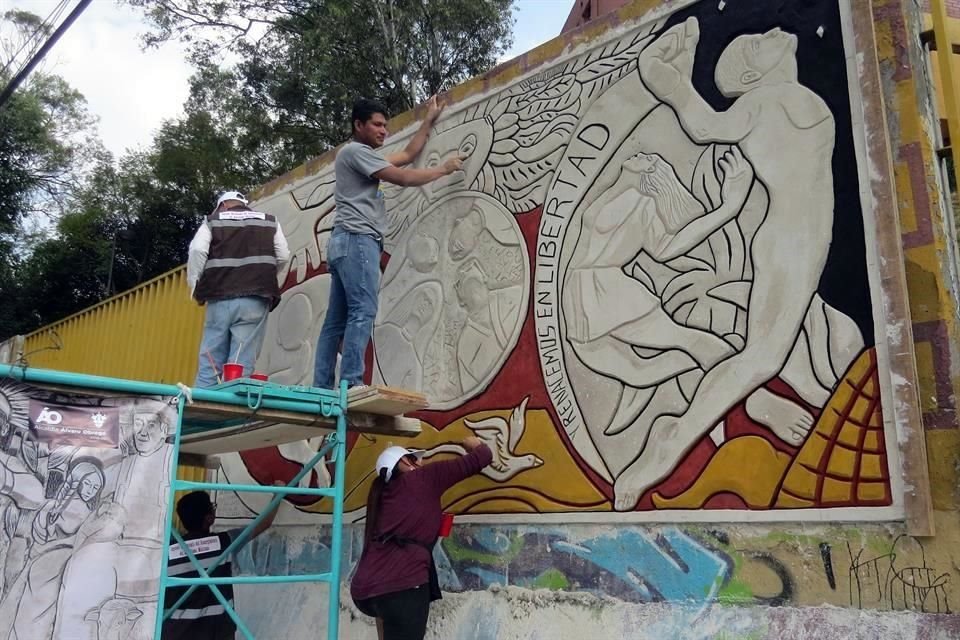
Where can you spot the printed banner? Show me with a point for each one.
(84, 484)
(63, 425)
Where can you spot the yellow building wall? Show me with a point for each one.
(953, 29)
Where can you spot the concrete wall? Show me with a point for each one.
(794, 496)
(805, 517)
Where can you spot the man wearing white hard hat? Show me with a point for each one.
(233, 266)
(396, 578)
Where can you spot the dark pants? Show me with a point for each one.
(208, 628)
(404, 613)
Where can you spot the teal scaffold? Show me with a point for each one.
(248, 397)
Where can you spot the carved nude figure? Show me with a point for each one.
(608, 313)
(787, 133)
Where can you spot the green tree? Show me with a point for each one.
(47, 142)
(300, 64)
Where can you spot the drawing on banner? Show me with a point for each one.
(651, 271)
(72, 505)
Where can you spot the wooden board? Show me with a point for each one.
(251, 435)
(386, 401)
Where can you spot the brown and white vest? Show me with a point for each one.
(241, 260)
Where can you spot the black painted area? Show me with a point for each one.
(822, 68)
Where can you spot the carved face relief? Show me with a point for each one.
(148, 433)
(432, 301)
(465, 234)
(761, 53)
(471, 141)
(472, 292)
(642, 163)
(90, 487)
(424, 252)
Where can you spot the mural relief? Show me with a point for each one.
(647, 290)
(453, 298)
(69, 510)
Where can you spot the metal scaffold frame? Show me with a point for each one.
(248, 397)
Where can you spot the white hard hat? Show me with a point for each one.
(230, 195)
(392, 455)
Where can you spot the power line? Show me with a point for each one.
(38, 56)
(33, 37)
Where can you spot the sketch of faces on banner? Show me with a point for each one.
(81, 526)
(452, 300)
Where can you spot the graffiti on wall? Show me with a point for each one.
(690, 567)
(651, 271)
(83, 498)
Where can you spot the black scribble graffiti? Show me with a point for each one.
(827, 557)
(884, 582)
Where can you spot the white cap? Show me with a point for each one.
(230, 195)
(392, 455)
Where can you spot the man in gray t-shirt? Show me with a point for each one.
(353, 253)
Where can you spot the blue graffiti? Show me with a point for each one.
(670, 566)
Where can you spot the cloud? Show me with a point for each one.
(130, 90)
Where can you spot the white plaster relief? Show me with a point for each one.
(709, 345)
(452, 300)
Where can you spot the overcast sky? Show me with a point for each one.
(133, 91)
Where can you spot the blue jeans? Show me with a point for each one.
(354, 263)
(232, 332)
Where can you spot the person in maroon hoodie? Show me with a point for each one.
(396, 579)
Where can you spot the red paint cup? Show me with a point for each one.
(259, 376)
(446, 524)
(232, 371)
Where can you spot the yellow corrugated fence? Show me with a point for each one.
(151, 332)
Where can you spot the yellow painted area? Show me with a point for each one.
(842, 462)
(836, 491)
(189, 473)
(726, 472)
(149, 333)
(556, 486)
(871, 467)
(943, 455)
(926, 376)
(952, 27)
(849, 435)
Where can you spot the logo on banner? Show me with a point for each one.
(75, 426)
(49, 417)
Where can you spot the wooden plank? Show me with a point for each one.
(214, 411)
(386, 401)
(400, 426)
(252, 435)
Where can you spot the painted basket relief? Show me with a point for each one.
(647, 289)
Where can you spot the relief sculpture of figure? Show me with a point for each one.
(405, 334)
(485, 332)
(610, 315)
(787, 133)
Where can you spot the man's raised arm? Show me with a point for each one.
(415, 146)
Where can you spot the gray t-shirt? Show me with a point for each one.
(360, 204)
